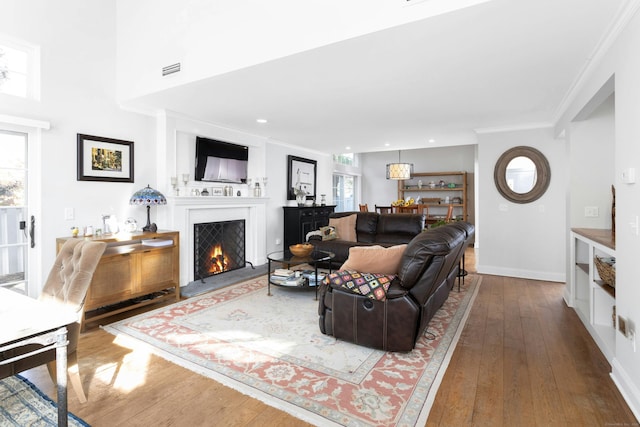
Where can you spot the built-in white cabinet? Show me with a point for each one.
(593, 300)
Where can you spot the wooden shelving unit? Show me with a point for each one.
(411, 188)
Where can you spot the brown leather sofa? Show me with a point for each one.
(428, 270)
(372, 229)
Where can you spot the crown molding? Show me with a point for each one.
(514, 128)
(619, 23)
(23, 121)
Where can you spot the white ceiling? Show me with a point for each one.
(505, 63)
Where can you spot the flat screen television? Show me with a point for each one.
(219, 161)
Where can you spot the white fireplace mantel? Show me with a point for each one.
(184, 212)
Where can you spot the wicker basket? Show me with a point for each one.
(606, 271)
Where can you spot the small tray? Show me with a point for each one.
(157, 242)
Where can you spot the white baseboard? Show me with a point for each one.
(628, 389)
(523, 274)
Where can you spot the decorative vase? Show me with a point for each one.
(300, 199)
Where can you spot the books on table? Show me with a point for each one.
(285, 277)
(292, 280)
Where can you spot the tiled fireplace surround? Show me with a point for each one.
(184, 212)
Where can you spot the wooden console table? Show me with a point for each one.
(134, 271)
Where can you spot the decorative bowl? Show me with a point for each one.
(301, 249)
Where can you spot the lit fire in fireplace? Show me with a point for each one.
(218, 261)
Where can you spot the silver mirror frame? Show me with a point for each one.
(542, 169)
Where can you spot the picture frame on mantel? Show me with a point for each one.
(301, 173)
(104, 159)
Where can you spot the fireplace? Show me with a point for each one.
(218, 247)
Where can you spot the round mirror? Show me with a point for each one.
(522, 174)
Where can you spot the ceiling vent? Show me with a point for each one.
(170, 69)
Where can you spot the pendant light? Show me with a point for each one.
(399, 170)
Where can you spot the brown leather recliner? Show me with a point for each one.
(427, 272)
(67, 283)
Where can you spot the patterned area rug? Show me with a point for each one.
(271, 348)
(23, 404)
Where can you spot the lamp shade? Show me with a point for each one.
(147, 197)
(399, 170)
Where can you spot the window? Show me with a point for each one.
(346, 182)
(344, 192)
(13, 211)
(347, 159)
(18, 69)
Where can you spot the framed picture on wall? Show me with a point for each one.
(104, 159)
(301, 176)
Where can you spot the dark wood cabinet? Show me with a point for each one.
(299, 220)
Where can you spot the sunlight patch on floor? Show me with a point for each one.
(235, 345)
(129, 373)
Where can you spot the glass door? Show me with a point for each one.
(14, 222)
(344, 192)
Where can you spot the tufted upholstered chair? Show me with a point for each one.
(67, 283)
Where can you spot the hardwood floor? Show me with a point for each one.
(523, 359)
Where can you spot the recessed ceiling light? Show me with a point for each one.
(431, 140)
(347, 148)
(386, 144)
(261, 120)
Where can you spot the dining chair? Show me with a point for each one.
(364, 208)
(423, 209)
(449, 216)
(408, 209)
(384, 209)
(67, 283)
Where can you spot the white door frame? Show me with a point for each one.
(33, 129)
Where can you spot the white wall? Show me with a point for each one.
(622, 62)
(177, 146)
(592, 151)
(276, 158)
(521, 240)
(78, 47)
(79, 96)
(176, 152)
(377, 190)
(213, 37)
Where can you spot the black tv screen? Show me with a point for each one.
(219, 161)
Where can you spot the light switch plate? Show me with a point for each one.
(69, 214)
(591, 211)
(629, 175)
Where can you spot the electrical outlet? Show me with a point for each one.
(278, 241)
